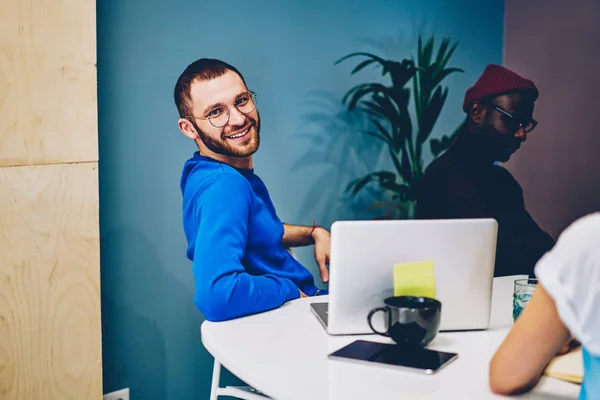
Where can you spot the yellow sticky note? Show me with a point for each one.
(414, 279)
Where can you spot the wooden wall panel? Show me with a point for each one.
(48, 110)
(50, 340)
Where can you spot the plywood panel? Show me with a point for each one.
(47, 82)
(50, 345)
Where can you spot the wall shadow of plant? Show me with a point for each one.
(337, 145)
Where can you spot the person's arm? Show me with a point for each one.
(520, 245)
(224, 290)
(297, 235)
(536, 337)
(522, 242)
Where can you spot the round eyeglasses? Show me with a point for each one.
(218, 115)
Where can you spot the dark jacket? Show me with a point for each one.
(458, 185)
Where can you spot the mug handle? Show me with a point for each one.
(373, 312)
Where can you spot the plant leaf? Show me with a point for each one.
(372, 113)
(402, 124)
(436, 80)
(431, 114)
(435, 147)
(405, 166)
(419, 50)
(425, 59)
(378, 136)
(382, 130)
(395, 187)
(401, 72)
(362, 65)
(354, 95)
(438, 146)
(449, 55)
(442, 50)
(376, 108)
(372, 56)
(382, 176)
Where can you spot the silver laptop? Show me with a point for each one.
(361, 269)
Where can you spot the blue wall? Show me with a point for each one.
(286, 50)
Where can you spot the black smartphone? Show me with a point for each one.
(416, 359)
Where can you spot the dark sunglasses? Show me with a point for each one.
(516, 122)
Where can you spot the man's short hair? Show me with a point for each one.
(203, 69)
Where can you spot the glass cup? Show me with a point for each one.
(524, 289)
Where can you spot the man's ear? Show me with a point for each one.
(187, 128)
(478, 113)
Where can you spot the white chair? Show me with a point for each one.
(241, 392)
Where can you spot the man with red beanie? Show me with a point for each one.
(466, 182)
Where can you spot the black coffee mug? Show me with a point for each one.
(410, 320)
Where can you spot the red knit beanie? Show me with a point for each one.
(497, 80)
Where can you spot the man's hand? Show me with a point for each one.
(322, 239)
(296, 235)
(302, 294)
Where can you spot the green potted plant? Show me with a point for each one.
(388, 109)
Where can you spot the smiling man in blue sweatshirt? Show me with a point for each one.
(236, 242)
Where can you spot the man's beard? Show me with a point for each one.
(495, 145)
(223, 147)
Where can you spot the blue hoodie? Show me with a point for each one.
(234, 238)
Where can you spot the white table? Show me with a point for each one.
(283, 353)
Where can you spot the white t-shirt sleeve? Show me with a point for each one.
(570, 273)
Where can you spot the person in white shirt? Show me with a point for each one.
(565, 304)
